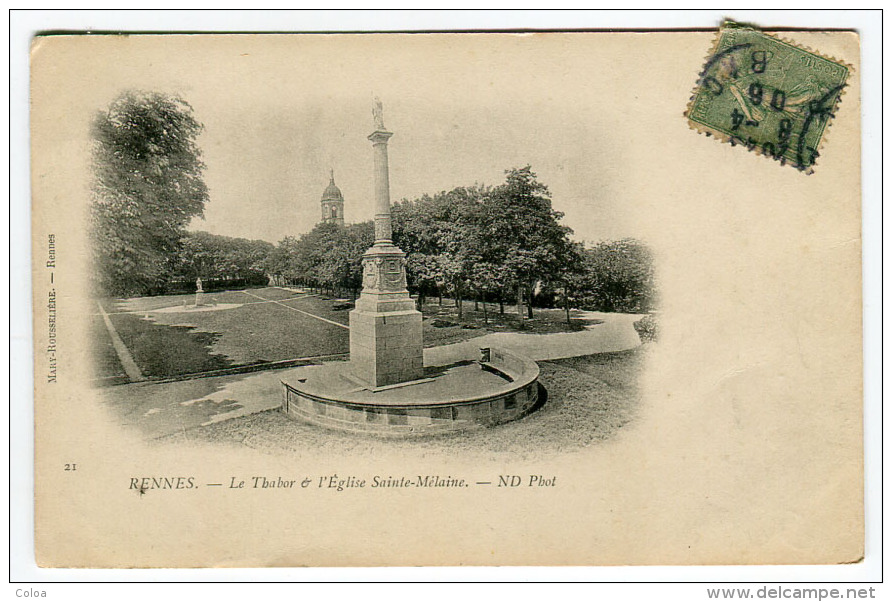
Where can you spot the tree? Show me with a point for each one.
(213, 257)
(279, 263)
(619, 276)
(434, 232)
(519, 231)
(471, 241)
(147, 187)
(328, 256)
(485, 240)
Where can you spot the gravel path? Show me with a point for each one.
(615, 332)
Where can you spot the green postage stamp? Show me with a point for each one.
(767, 95)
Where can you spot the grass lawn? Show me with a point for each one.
(271, 324)
(442, 325)
(260, 329)
(162, 351)
(107, 368)
(266, 332)
(589, 399)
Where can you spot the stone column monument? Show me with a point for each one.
(385, 327)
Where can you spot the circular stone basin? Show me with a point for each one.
(467, 394)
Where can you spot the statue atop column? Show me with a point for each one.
(379, 138)
(378, 114)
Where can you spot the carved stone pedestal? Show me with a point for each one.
(385, 327)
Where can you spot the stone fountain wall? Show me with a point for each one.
(425, 416)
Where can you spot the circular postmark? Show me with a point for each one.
(767, 95)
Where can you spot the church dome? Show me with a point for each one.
(333, 204)
(332, 192)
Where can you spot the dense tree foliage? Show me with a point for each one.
(329, 256)
(214, 258)
(434, 232)
(147, 187)
(521, 233)
(502, 244)
(618, 276)
(485, 242)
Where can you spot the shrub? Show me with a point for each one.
(647, 328)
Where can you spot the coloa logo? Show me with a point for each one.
(30, 593)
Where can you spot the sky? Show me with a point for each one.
(274, 181)
(277, 120)
(594, 115)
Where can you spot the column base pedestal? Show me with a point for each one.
(385, 340)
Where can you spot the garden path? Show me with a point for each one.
(615, 332)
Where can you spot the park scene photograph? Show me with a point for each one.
(284, 276)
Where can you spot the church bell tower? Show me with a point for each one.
(332, 204)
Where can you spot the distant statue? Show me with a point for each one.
(199, 293)
(378, 114)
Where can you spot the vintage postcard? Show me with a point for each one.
(447, 299)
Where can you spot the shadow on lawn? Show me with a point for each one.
(163, 351)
